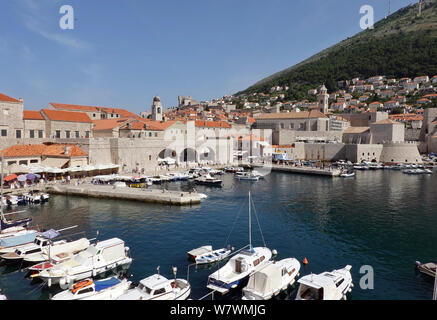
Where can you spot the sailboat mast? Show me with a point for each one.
(250, 226)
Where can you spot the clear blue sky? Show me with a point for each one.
(124, 52)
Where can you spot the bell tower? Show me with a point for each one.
(156, 109)
(323, 99)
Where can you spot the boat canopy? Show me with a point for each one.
(50, 234)
(104, 284)
(265, 281)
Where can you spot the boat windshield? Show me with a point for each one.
(144, 288)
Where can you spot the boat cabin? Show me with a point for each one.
(246, 259)
(319, 287)
(156, 286)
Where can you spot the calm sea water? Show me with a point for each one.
(384, 219)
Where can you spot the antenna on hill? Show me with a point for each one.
(420, 8)
(389, 7)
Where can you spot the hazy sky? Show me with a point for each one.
(124, 52)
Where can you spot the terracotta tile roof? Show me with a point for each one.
(5, 98)
(32, 115)
(144, 124)
(56, 115)
(73, 107)
(42, 149)
(108, 124)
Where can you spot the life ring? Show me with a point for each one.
(80, 285)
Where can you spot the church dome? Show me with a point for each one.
(157, 99)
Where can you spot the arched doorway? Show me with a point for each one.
(188, 155)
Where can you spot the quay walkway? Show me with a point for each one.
(110, 192)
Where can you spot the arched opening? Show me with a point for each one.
(188, 155)
(206, 154)
(167, 153)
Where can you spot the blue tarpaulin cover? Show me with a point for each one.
(50, 234)
(104, 284)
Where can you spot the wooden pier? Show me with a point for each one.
(110, 192)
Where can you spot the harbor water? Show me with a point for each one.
(383, 218)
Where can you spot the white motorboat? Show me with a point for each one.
(88, 289)
(247, 176)
(10, 241)
(157, 287)
(347, 175)
(96, 260)
(272, 279)
(214, 256)
(208, 180)
(236, 272)
(54, 249)
(192, 254)
(202, 196)
(326, 286)
(32, 197)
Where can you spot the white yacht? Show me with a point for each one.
(326, 286)
(157, 287)
(88, 289)
(97, 259)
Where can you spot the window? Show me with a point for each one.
(156, 134)
(58, 134)
(32, 134)
(67, 134)
(77, 134)
(18, 134)
(282, 126)
(291, 125)
(150, 158)
(40, 133)
(4, 133)
(87, 134)
(159, 291)
(150, 134)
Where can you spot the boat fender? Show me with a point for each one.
(49, 282)
(305, 261)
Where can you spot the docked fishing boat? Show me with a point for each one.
(6, 224)
(52, 250)
(157, 287)
(192, 254)
(272, 279)
(10, 241)
(326, 286)
(96, 260)
(41, 242)
(427, 268)
(89, 289)
(208, 180)
(213, 256)
(347, 175)
(236, 272)
(247, 177)
(32, 197)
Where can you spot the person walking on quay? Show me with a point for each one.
(68, 179)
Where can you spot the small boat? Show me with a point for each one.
(271, 280)
(347, 175)
(426, 268)
(157, 287)
(5, 224)
(32, 197)
(192, 254)
(88, 289)
(40, 243)
(202, 196)
(248, 177)
(213, 256)
(326, 286)
(10, 241)
(96, 260)
(208, 180)
(53, 250)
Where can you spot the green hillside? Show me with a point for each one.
(402, 44)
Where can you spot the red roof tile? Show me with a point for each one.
(42, 149)
(5, 98)
(32, 115)
(56, 115)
